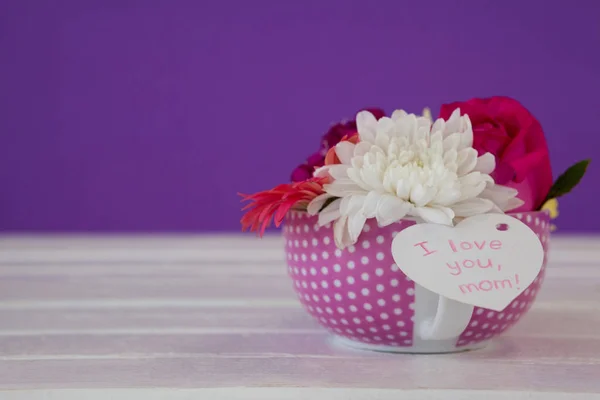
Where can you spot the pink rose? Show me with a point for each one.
(503, 127)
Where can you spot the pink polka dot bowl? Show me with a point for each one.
(361, 297)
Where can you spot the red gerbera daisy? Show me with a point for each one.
(275, 203)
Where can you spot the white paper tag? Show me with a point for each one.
(476, 262)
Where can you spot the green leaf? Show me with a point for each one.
(568, 180)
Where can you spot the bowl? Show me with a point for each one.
(361, 297)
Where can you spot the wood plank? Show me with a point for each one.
(189, 240)
(148, 318)
(540, 320)
(541, 348)
(47, 287)
(158, 344)
(62, 288)
(158, 270)
(238, 248)
(212, 268)
(150, 303)
(187, 312)
(288, 393)
(255, 253)
(458, 371)
(139, 240)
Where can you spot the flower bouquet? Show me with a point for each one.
(412, 235)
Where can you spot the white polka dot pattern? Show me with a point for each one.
(486, 324)
(359, 292)
(358, 288)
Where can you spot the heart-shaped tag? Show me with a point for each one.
(486, 260)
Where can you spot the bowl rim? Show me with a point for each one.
(533, 212)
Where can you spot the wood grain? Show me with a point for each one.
(287, 393)
(216, 314)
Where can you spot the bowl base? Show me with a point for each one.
(421, 347)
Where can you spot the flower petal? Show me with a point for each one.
(370, 204)
(485, 163)
(398, 114)
(366, 124)
(424, 124)
(317, 203)
(407, 126)
(342, 187)
(452, 142)
(391, 209)
(356, 223)
(436, 138)
(467, 159)
(500, 193)
(439, 126)
(330, 213)
(338, 171)
(345, 151)
(421, 195)
(513, 203)
(340, 232)
(466, 129)
(435, 215)
(474, 178)
(471, 191)
(472, 207)
(352, 204)
(372, 176)
(453, 123)
(450, 157)
(503, 196)
(355, 175)
(385, 126)
(362, 148)
(403, 188)
(322, 172)
(447, 196)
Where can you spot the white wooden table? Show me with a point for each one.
(215, 317)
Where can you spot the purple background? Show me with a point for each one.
(150, 115)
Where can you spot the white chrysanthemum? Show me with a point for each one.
(405, 166)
